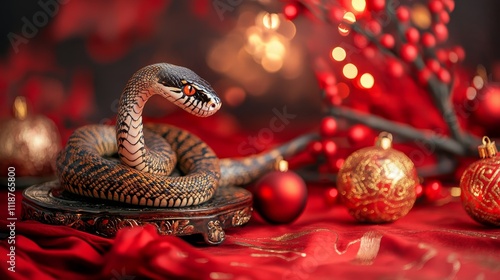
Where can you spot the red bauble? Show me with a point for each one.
(480, 186)
(328, 126)
(280, 197)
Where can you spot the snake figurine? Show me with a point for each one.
(175, 168)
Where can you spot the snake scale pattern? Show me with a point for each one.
(158, 165)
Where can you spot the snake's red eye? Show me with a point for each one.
(188, 90)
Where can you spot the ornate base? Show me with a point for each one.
(50, 204)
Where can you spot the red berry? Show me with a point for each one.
(360, 41)
(329, 148)
(328, 126)
(358, 134)
(444, 75)
(331, 196)
(450, 5)
(336, 14)
(435, 6)
(442, 56)
(395, 68)
(460, 53)
(409, 52)
(444, 17)
(315, 148)
(432, 190)
(403, 14)
(375, 5)
(433, 65)
(419, 190)
(373, 27)
(387, 41)
(291, 10)
(440, 31)
(369, 52)
(412, 35)
(428, 40)
(331, 91)
(325, 79)
(424, 75)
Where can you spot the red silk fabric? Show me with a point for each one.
(432, 242)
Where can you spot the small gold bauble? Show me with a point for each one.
(378, 184)
(28, 143)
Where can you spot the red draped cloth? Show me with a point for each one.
(437, 241)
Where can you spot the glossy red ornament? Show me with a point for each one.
(480, 186)
(328, 127)
(409, 52)
(280, 197)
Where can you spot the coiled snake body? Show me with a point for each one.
(143, 174)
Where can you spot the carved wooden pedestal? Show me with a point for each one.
(50, 204)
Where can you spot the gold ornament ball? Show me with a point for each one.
(28, 143)
(378, 184)
(480, 186)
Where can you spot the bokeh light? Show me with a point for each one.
(271, 21)
(339, 54)
(350, 71)
(358, 5)
(420, 16)
(367, 81)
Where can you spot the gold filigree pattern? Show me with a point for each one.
(377, 185)
(480, 185)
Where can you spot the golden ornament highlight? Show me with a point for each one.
(28, 143)
(480, 186)
(378, 184)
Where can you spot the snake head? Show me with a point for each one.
(187, 90)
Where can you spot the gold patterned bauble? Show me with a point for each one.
(480, 186)
(378, 184)
(28, 143)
